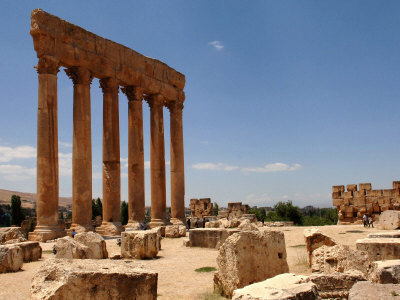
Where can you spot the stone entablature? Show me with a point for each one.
(200, 208)
(353, 203)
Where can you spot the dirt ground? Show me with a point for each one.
(176, 264)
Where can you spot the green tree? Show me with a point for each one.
(97, 208)
(124, 213)
(259, 212)
(215, 209)
(286, 211)
(17, 215)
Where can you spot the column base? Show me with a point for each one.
(110, 228)
(157, 223)
(79, 228)
(176, 221)
(132, 225)
(45, 233)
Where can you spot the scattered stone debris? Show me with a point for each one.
(368, 290)
(11, 235)
(314, 239)
(140, 244)
(380, 248)
(209, 237)
(85, 245)
(385, 271)
(389, 220)
(11, 258)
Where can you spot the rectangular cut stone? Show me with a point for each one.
(209, 237)
(388, 192)
(380, 248)
(337, 202)
(338, 188)
(336, 195)
(360, 201)
(352, 187)
(375, 193)
(358, 194)
(139, 244)
(31, 250)
(348, 194)
(396, 184)
(365, 186)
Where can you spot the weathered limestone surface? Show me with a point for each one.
(335, 285)
(31, 250)
(380, 248)
(175, 231)
(385, 235)
(367, 290)
(339, 258)
(74, 46)
(387, 271)
(97, 248)
(247, 225)
(93, 279)
(11, 258)
(314, 239)
(237, 209)
(67, 247)
(353, 204)
(389, 220)
(200, 208)
(250, 256)
(209, 237)
(281, 287)
(139, 244)
(11, 233)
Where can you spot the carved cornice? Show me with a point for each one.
(48, 65)
(155, 100)
(109, 85)
(175, 106)
(133, 93)
(79, 75)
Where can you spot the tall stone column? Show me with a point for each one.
(135, 156)
(47, 153)
(177, 163)
(157, 161)
(111, 224)
(82, 151)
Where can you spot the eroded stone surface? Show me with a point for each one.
(389, 220)
(339, 258)
(12, 234)
(367, 290)
(175, 231)
(139, 244)
(247, 225)
(250, 256)
(385, 271)
(93, 279)
(281, 287)
(31, 251)
(209, 237)
(67, 247)
(314, 239)
(11, 258)
(380, 248)
(97, 248)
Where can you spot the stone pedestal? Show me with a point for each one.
(82, 151)
(177, 164)
(157, 162)
(47, 153)
(111, 160)
(136, 201)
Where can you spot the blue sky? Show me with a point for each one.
(283, 98)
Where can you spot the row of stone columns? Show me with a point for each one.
(47, 155)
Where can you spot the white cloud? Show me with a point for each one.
(17, 172)
(217, 45)
(65, 144)
(212, 166)
(65, 164)
(275, 167)
(8, 153)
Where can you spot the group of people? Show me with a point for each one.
(196, 224)
(368, 221)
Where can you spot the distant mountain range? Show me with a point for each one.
(29, 199)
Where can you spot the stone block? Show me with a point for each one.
(338, 188)
(387, 271)
(336, 195)
(389, 219)
(11, 258)
(396, 184)
(11, 233)
(352, 187)
(250, 256)
(388, 192)
(96, 244)
(358, 194)
(281, 287)
(337, 202)
(67, 247)
(359, 201)
(348, 194)
(365, 186)
(339, 258)
(314, 239)
(336, 285)
(380, 248)
(246, 225)
(209, 237)
(139, 244)
(368, 290)
(93, 279)
(31, 250)
(388, 235)
(175, 231)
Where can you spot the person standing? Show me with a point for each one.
(73, 233)
(365, 218)
(370, 222)
(188, 223)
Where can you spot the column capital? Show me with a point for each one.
(109, 85)
(155, 100)
(79, 75)
(175, 106)
(48, 65)
(133, 93)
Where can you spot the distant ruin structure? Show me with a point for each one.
(354, 203)
(84, 56)
(201, 208)
(236, 210)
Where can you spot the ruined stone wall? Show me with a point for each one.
(237, 209)
(200, 208)
(354, 203)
